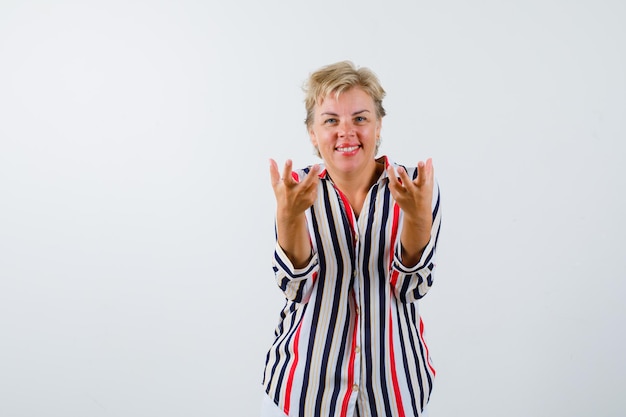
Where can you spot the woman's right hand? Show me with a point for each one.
(293, 198)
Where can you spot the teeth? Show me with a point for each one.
(348, 149)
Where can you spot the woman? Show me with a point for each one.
(356, 239)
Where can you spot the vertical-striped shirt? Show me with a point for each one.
(350, 340)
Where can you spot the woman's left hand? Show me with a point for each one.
(415, 199)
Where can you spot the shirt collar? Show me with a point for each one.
(382, 159)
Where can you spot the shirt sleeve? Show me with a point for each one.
(413, 283)
(296, 284)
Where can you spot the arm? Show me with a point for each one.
(415, 198)
(293, 198)
(412, 277)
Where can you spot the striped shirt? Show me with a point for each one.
(350, 341)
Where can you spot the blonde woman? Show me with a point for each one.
(355, 245)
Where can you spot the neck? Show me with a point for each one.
(356, 185)
(357, 181)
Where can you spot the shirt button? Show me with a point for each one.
(355, 387)
(357, 350)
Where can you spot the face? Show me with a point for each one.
(346, 131)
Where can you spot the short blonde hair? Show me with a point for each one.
(337, 78)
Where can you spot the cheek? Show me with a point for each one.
(322, 137)
(369, 133)
(377, 127)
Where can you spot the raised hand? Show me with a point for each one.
(293, 198)
(415, 199)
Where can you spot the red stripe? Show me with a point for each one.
(394, 374)
(394, 236)
(296, 341)
(292, 370)
(346, 398)
(393, 280)
(348, 210)
(430, 366)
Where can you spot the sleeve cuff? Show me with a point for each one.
(284, 263)
(424, 260)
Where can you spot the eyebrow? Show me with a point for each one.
(328, 113)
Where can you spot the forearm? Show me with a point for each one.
(415, 270)
(293, 238)
(414, 238)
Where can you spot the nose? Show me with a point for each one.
(346, 128)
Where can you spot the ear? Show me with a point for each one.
(379, 127)
(313, 137)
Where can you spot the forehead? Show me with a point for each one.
(352, 99)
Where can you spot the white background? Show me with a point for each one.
(136, 215)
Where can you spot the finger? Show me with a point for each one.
(312, 177)
(391, 174)
(430, 170)
(424, 172)
(274, 174)
(310, 182)
(404, 177)
(421, 174)
(287, 179)
(395, 185)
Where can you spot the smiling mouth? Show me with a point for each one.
(347, 148)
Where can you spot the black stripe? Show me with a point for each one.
(367, 322)
(343, 346)
(277, 332)
(286, 343)
(406, 281)
(384, 287)
(429, 279)
(424, 362)
(383, 290)
(436, 209)
(338, 285)
(277, 343)
(405, 359)
(321, 282)
(409, 319)
(285, 281)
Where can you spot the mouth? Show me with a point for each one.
(347, 149)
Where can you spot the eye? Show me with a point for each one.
(360, 119)
(330, 121)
